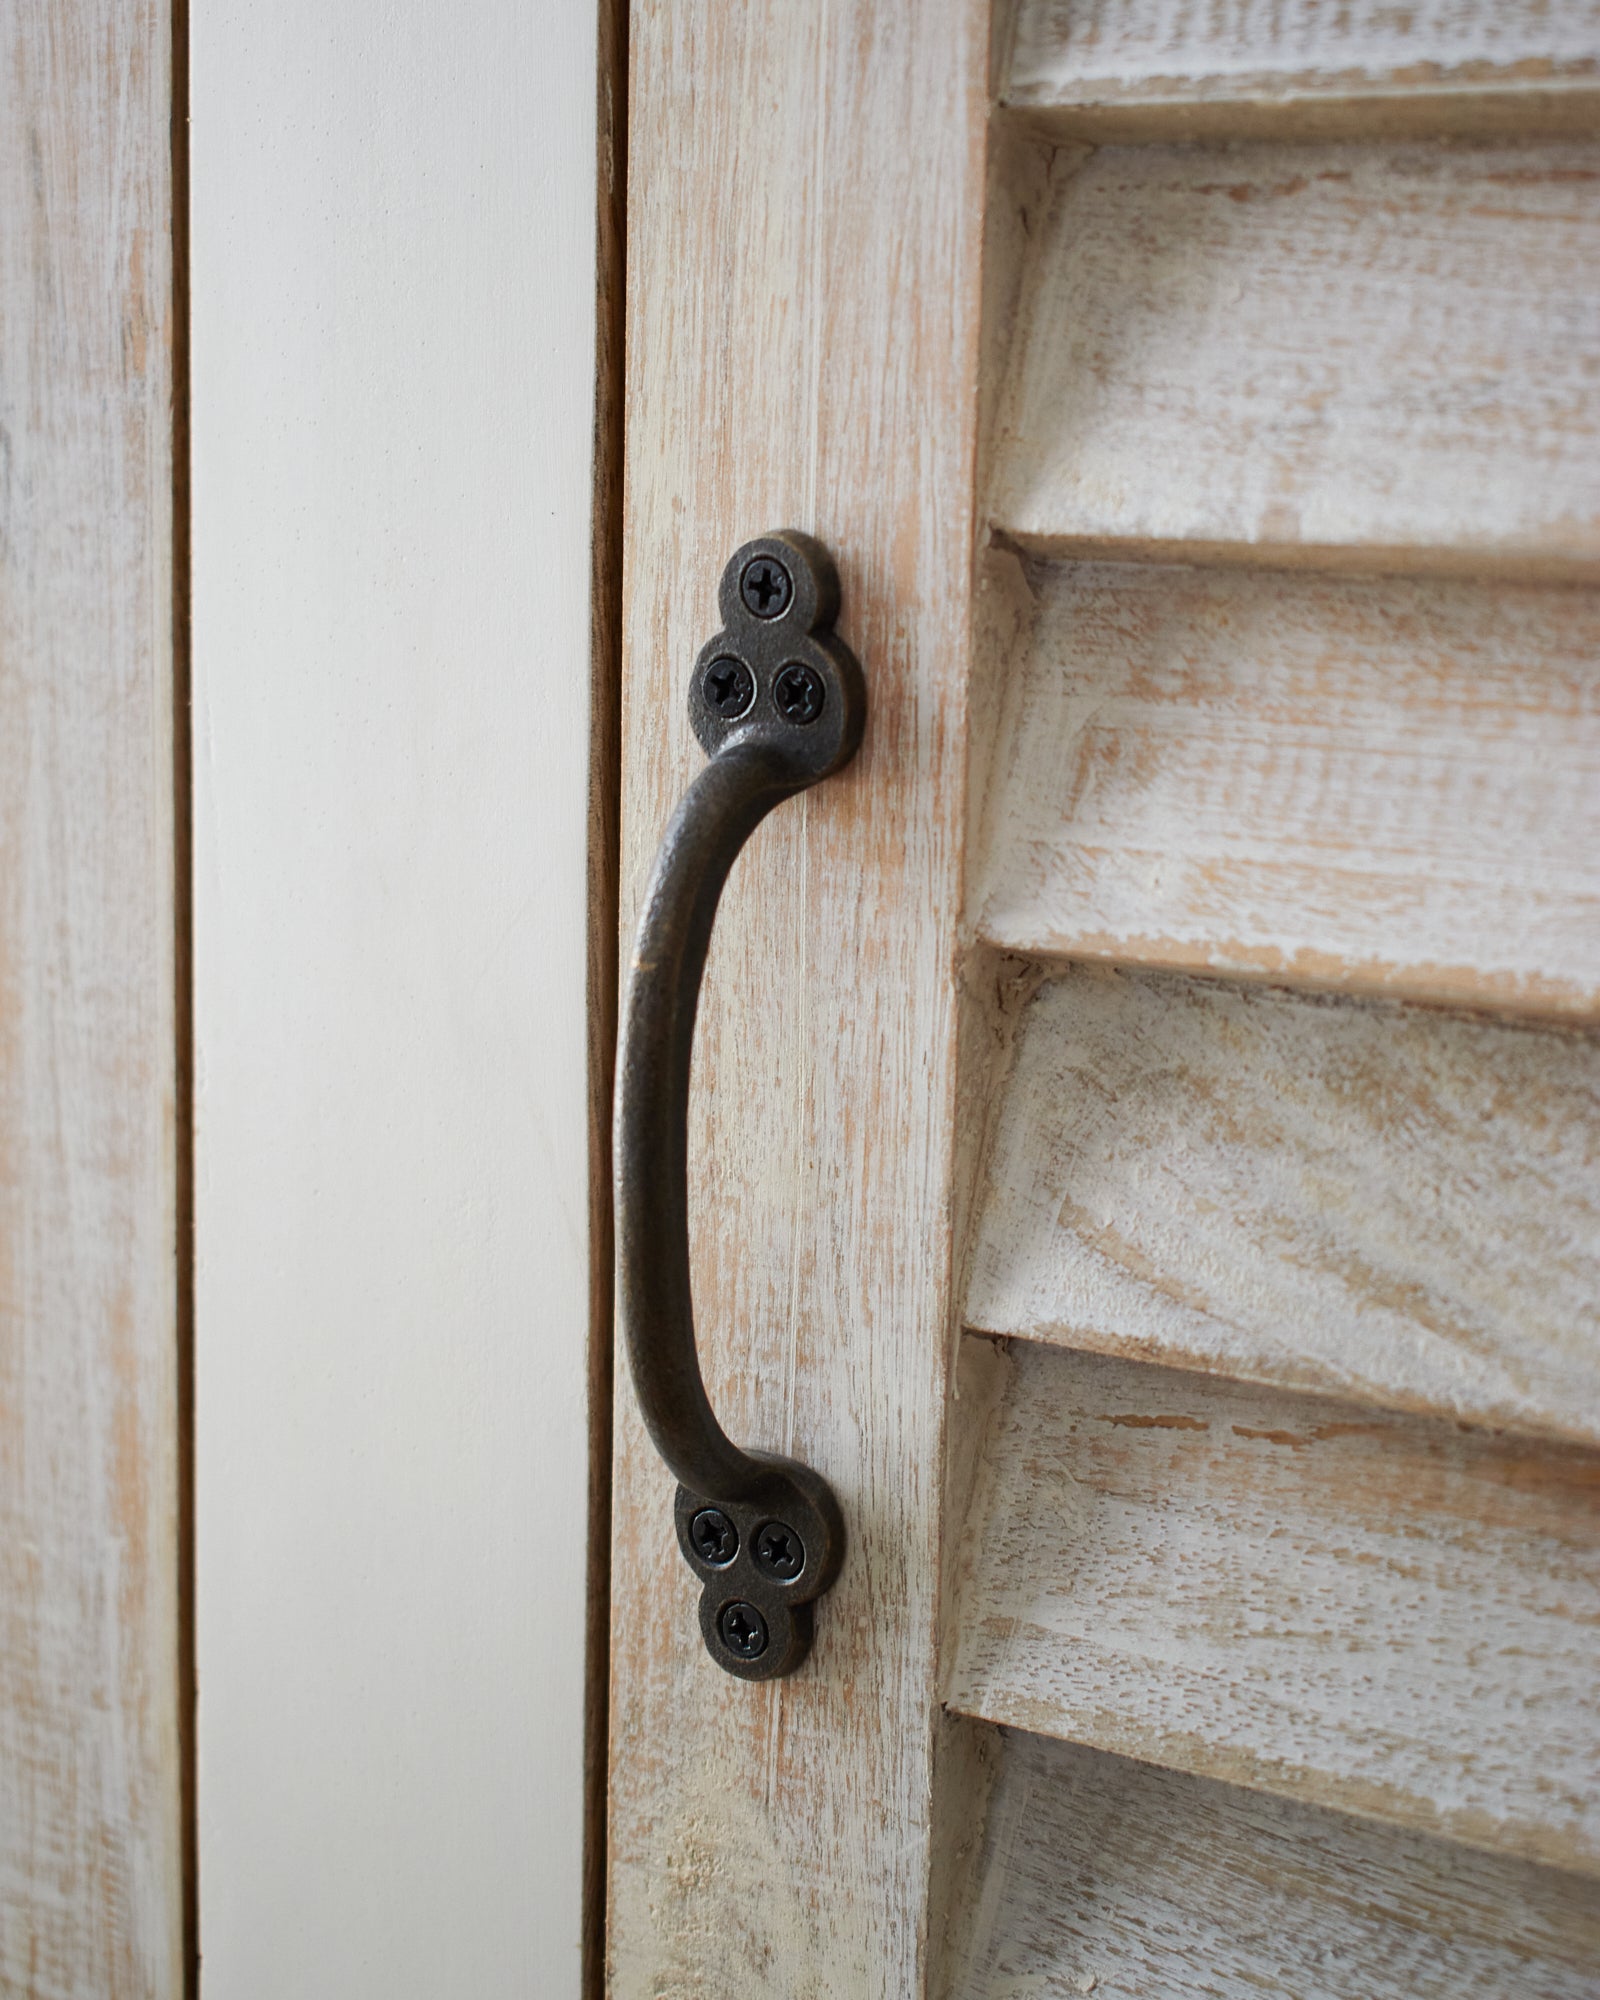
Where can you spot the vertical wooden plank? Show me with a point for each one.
(90, 1844)
(395, 341)
(805, 203)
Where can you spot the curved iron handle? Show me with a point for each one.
(778, 702)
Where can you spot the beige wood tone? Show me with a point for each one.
(805, 196)
(1382, 356)
(1120, 69)
(90, 1848)
(1378, 785)
(1393, 1617)
(1102, 1876)
(1376, 1201)
(1361, 754)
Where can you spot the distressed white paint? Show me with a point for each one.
(91, 1837)
(394, 275)
(1382, 1202)
(1173, 61)
(1058, 43)
(1364, 784)
(1366, 357)
(803, 181)
(802, 348)
(1383, 355)
(1099, 1875)
(1391, 1616)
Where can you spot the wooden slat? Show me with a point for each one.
(805, 196)
(1098, 1875)
(1119, 69)
(1376, 1201)
(1383, 356)
(91, 1849)
(1392, 1617)
(1377, 785)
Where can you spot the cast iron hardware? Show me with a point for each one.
(778, 702)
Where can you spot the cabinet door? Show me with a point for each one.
(1145, 1110)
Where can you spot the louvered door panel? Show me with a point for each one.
(1146, 1138)
(1276, 1475)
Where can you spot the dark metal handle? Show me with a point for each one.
(778, 702)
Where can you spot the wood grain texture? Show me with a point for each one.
(91, 1855)
(1118, 69)
(1385, 356)
(1373, 785)
(1379, 1202)
(805, 206)
(1391, 1617)
(1098, 1875)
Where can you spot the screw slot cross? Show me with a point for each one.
(799, 693)
(766, 587)
(715, 1536)
(779, 1551)
(729, 687)
(743, 1629)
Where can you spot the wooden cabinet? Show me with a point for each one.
(1146, 1111)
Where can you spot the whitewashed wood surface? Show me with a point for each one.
(1100, 1875)
(1387, 1615)
(805, 202)
(1382, 1202)
(1376, 358)
(91, 1848)
(1380, 785)
(1118, 68)
(1377, 355)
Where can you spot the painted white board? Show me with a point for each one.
(393, 243)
